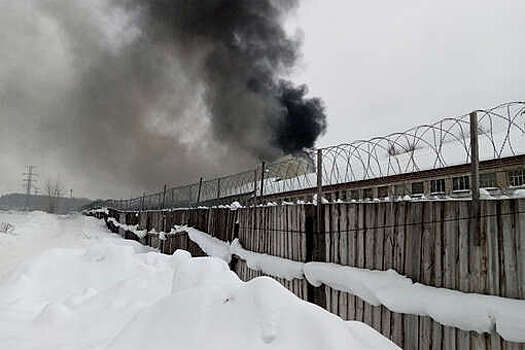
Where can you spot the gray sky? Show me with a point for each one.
(384, 66)
(380, 66)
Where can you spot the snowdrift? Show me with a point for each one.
(88, 289)
(210, 306)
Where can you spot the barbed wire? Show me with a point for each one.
(444, 143)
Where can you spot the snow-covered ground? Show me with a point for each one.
(67, 283)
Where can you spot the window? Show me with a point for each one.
(417, 188)
(354, 194)
(399, 190)
(461, 183)
(437, 186)
(517, 177)
(382, 192)
(487, 180)
(367, 193)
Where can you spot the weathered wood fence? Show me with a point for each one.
(428, 241)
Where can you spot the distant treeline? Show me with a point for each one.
(18, 201)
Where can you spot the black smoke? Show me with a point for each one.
(246, 52)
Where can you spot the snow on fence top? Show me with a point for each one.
(467, 311)
(130, 228)
(425, 147)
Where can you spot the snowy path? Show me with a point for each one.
(67, 283)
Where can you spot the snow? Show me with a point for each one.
(68, 283)
(67, 271)
(100, 210)
(210, 245)
(484, 194)
(519, 193)
(235, 205)
(131, 228)
(323, 200)
(259, 314)
(468, 311)
(270, 265)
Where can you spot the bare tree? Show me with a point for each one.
(54, 192)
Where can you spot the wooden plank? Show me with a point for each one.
(360, 254)
(493, 248)
(427, 262)
(343, 255)
(463, 277)
(509, 264)
(388, 255)
(478, 272)
(327, 235)
(296, 245)
(291, 219)
(261, 229)
(297, 249)
(412, 268)
(293, 227)
(303, 247)
(450, 261)
(509, 250)
(520, 244)
(269, 230)
(370, 253)
(334, 240)
(352, 223)
(257, 230)
(284, 230)
(379, 234)
(399, 259)
(263, 233)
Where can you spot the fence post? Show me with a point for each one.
(315, 239)
(474, 178)
(319, 185)
(255, 186)
(315, 248)
(164, 198)
(263, 169)
(199, 193)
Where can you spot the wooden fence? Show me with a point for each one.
(428, 241)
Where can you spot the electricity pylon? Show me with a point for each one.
(29, 180)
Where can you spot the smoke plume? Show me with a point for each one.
(144, 92)
(245, 51)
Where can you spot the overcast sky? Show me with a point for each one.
(380, 66)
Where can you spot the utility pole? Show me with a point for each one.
(29, 180)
